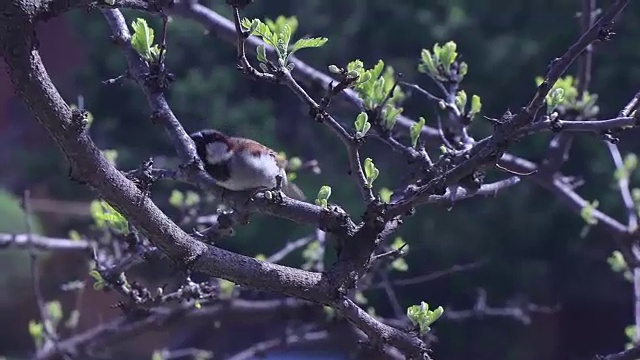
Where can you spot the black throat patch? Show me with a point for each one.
(220, 171)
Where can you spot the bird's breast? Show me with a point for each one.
(247, 171)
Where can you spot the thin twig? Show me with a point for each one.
(386, 284)
(33, 241)
(349, 141)
(623, 186)
(434, 275)
(301, 337)
(289, 248)
(243, 62)
(47, 324)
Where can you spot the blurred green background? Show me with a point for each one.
(533, 243)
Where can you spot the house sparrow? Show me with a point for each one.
(240, 164)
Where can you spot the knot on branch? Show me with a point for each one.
(318, 114)
(605, 33)
(79, 120)
(336, 221)
(473, 181)
(143, 176)
(158, 79)
(556, 125)
(373, 216)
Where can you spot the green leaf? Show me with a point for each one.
(111, 156)
(554, 99)
(355, 65)
(399, 264)
(617, 262)
(415, 131)
(323, 196)
(282, 21)
(226, 288)
(74, 235)
(192, 198)
(463, 69)
(176, 199)
(587, 212)
(360, 298)
(370, 171)
(261, 30)
(476, 106)
(399, 243)
(362, 125)
(421, 316)
(428, 65)
(142, 38)
(106, 216)
(447, 55)
(155, 52)
(377, 69)
(329, 311)
(385, 195)
(631, 162)
(308, 43)
(36, 330)
(336, 70)
(390, 115)
(461, 100)
(54, 312)
(364, 78)
(99, 280)
(284, 37)
(295, 163)
(261, 53)
(157, 355)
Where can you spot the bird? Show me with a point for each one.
(241, 164)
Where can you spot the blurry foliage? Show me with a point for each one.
(15, 263)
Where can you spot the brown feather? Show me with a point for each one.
(255, 148)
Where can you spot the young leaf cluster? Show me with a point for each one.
(440, 62)
(142, 40)
(564, 98)
(106, 216)
(587, 212)
(277, 34)
(323, 196)
(474, 107)
(375, 87)
(53, 314)
(371, 172)
(400, 264)
(421, 316)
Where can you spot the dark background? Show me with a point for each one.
(533, 243)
